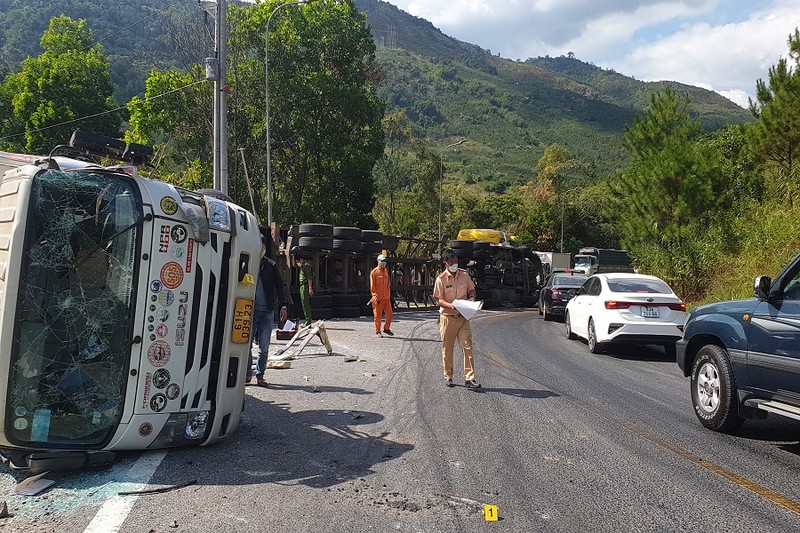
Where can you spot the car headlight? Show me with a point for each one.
(196, 425)
(219, 216)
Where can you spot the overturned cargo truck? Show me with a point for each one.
(125, 311)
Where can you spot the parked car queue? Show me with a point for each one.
(740, 356)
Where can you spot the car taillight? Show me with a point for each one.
(611, 304)
(556, 292)
(680, 306)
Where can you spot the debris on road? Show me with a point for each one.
(34, 485)
(157, 490)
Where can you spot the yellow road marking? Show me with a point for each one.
(693, 458)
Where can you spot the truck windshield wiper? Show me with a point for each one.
(146, 218)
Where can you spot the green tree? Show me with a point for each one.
(667, 199)
(65, 88)
(175, 117)
(325, 119)
(775, 136)
(392, 171)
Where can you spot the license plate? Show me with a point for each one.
(649, 311)
(242, 321)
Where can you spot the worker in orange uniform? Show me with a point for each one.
(380, 287)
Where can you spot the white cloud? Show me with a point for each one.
(727, 59)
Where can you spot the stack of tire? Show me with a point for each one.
(346, 239)
(321, 307)
(315, 237)
(463, 250)
(346, 305)
(372, 241)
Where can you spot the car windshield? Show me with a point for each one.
(638, 285)
(74, 326)
(569, 281)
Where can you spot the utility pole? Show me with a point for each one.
(220, 77)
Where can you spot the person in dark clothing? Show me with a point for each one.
(270, 287)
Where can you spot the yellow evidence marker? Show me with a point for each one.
(490, 513)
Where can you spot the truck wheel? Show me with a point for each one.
(713, 388)
(594, 346)
(568, 327)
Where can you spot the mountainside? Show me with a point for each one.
(509, 111)
(136, 36)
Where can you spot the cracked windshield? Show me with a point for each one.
(71, 350)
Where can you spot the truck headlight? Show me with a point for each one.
(196, 425)
(219, 216)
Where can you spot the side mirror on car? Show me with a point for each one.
(761, 287)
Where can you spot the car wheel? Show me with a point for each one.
(594, 346)
(568, 327)
(541, 305)
(714, 393)
(545, 314)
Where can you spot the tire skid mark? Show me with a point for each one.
(741, 481)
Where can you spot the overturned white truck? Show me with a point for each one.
(125, 308)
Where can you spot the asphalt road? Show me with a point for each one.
(559, 440)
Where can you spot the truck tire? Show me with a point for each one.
(321, 301)
(568, 327)
(313, 243)
(343, 232)
(316, 230)
(714, 392)
(371, 235)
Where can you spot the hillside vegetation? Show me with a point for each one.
(557, 151)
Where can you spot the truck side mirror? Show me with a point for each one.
(761, 287)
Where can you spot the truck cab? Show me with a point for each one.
(592, 260)
(125, 308)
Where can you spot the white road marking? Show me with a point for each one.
(114, 511)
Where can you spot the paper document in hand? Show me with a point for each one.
(468, 308)
(288, 325)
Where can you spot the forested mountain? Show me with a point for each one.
(508, 110)
(137, 36)
(511, 110)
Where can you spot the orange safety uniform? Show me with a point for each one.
(452, 325)
(380, 287)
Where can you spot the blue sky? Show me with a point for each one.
(721, 45)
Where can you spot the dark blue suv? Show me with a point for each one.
(743, 356)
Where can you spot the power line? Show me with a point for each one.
(159, 12)
(108, 112)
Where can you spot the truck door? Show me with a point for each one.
(773, 356)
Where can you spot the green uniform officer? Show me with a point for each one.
(306, 282)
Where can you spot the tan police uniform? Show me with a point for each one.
(452, 325)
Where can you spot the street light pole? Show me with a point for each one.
(266, 102)
(441, 176)
(563, 207)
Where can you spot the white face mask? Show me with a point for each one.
(453, 268)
